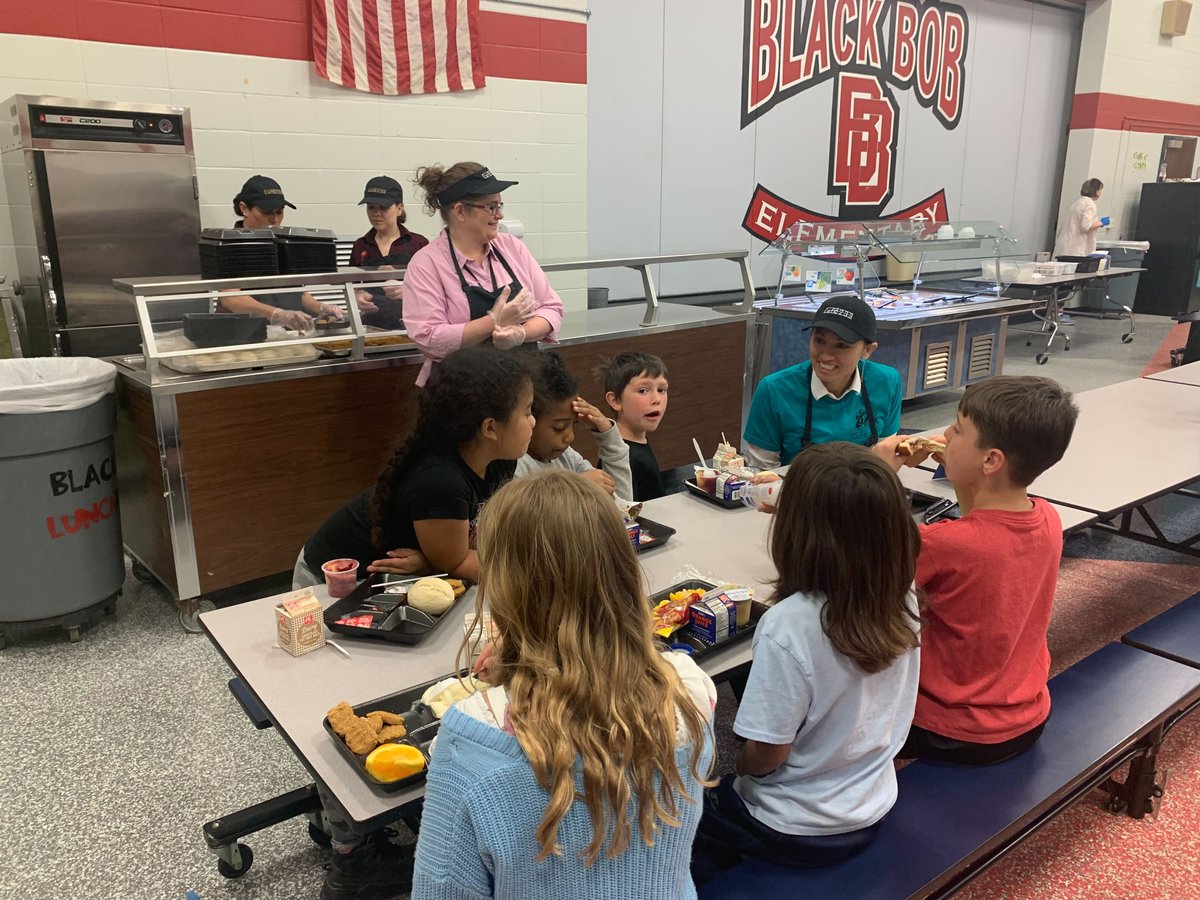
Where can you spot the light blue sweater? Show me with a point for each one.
(478, 832)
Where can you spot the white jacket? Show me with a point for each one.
(1076, 237)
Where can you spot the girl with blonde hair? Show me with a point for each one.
(579, 772)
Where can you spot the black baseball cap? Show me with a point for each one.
(264, 193)
(848, 317)
(382, 190)
(473, 185)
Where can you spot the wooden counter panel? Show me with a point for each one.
(145, 528)
(267, 463)
(706, 368)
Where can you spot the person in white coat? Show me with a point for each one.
(1077, 232)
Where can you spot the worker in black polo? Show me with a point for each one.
(388, 245)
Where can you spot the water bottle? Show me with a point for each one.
(756, 495)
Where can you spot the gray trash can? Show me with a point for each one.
(597, 297)
(60, 531)
(1121, 291)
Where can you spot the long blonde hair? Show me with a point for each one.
(576, 655)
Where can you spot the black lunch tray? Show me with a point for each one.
(402, 624)
(699, 648)
(697, 491)
(660, 533)
(416, 716)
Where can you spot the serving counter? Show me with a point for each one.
(939, 346)
(223, 475)
(938, 290)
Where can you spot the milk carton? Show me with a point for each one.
(298, 622)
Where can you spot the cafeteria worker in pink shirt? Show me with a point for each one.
(473, 284)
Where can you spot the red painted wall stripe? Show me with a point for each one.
(1117, 112)
(522, 47)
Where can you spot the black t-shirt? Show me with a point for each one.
(648, 482)
(438, 486)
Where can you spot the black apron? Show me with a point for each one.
(479, 299)
(806, 440)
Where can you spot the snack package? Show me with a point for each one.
(673, 613)
(298, 622)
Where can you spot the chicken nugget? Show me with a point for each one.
(375, 722)
(388, 718)
(390, 732)
(360, 737)
(340, 717)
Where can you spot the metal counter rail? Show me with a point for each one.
(641, 265)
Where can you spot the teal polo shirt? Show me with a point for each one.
(780, 404)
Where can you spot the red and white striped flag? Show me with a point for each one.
(398, 46)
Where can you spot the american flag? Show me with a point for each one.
(398, 46)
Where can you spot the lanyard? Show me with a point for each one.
(806, 441)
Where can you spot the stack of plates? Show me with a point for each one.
(237, 253)
(305, 250)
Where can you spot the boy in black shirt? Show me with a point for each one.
(636, 389)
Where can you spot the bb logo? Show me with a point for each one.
(862, 160)
(867, 48)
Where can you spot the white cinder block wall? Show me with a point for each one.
(1148, 87)
(322, 142)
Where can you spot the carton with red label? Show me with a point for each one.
(298, 622)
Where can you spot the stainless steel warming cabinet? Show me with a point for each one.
(96, 191)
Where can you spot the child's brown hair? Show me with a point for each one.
(843, 529)
(624, 367)
(1030, 419)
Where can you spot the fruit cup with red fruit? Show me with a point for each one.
(340, 576)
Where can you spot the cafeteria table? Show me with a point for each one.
(296, 692)
(1134, 441)
(1048, 287)
(1189, 374)
(709, 542)
(921, 480)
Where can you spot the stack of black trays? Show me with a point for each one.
(237, 253)
(305, 251)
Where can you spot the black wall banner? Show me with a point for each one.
(868, 48)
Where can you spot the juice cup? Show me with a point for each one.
(706, 479)
(340, 576)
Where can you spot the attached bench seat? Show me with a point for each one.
(951, 821)
(1174, 634)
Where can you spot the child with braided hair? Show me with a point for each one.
(473, 423)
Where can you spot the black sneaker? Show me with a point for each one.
(377, 869)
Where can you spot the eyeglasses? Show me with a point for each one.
(494, 208)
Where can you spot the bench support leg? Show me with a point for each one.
(1141, 790)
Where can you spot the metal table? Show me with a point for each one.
(1050, 317)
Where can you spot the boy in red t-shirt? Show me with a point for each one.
(988, 578)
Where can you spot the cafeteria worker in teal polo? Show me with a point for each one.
(838, 394)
